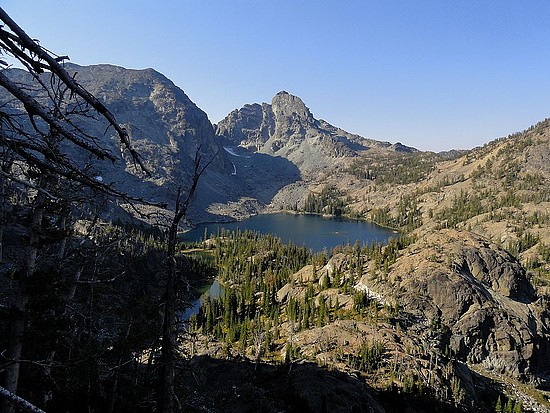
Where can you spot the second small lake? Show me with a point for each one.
(212, 289)
(314, 231)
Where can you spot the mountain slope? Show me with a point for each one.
(288, 129)
(494, 198)
(167, 129)
(500, 191)
(474, 281)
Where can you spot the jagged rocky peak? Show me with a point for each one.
(399, 147)
(280, 128)
(286, 106)
(249, 126)
(248, 117)
(254, 124)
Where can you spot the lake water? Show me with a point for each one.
(213, 289)
(314, 231)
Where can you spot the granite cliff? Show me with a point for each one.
(288, 129)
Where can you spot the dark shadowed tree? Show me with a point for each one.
(170, 329)
(39, 130)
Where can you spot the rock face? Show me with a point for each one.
(165, 126)
(476, 297)
(167, 129)
(249, 127)
(287, 128)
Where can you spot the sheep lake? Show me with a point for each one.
(314, 231)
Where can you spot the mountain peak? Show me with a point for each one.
(285, 105)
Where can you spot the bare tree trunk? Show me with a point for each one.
(19, 310)
(169, 328)
(15, 348)
(63, 242)
(2, 214)
(5, 168)
(114, 387)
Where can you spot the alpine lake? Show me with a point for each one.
(316, 232)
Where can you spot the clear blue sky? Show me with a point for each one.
(431, 74)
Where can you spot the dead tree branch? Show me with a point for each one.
(19, 402)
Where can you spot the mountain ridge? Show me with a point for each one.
(287, 128)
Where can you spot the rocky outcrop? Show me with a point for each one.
(249, 127)
(254, 125)
(476, 297)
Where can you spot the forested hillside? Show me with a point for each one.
(471, 278)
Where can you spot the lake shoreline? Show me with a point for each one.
(315, 231)
(289, 212)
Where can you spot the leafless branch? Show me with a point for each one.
(52, 64)
(19, 402)
(28, 184)
(33, 108)
(181, 210)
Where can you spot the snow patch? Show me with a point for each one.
(231, 151)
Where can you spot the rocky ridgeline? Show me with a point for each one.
(288, 129)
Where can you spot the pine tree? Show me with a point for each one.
(498, 406)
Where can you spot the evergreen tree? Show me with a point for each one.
(498, 406)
